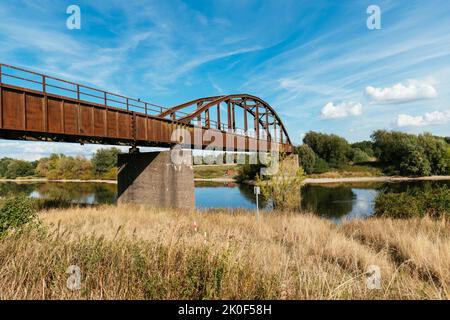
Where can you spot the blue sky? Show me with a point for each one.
(315, 62)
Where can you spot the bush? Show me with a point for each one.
(321, 166)
(16, 213)
(417, 203)
(366, 146)
(359, 156)
(408, 154)
(12, 169)
(333, 149)
(283, 187)
(104, 160)
(306, 157)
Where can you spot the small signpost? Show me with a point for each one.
(257, 193)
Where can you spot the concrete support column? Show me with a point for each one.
(153, 179)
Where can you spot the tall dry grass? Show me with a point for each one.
(141, 253)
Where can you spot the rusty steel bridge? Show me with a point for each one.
(34, 106)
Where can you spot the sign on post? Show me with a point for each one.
(257, 191)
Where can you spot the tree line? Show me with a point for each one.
(397, 153)
(103, 165)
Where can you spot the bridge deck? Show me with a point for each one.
(34, 106)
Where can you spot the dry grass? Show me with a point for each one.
(141, 253)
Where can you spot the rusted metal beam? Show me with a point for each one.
(218, 116)
(84, 121)
(229, 116)
(245, 117)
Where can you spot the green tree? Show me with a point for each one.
(366, 146)
(59, 166)
(359, 155)
(332, 148)
(409, 154)
(19, 168)
(321, 166)
(4, 162)
(306, 157)
(283, 187)
(104, 160)
(437, 152)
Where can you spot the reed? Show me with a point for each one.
(132, 252)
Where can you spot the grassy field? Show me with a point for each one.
(350, 171)
(215, 171)
(139, 253)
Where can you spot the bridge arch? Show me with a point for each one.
(262, 113)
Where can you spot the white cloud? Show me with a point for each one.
(341, 110)
(35, 150)
(413, 90)
(429, 118)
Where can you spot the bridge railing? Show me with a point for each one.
(16, 76)
(20, 77)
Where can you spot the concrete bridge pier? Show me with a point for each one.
(157, 179)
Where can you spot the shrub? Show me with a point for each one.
(283, 187)
(332, 148)
(104, 160)
(366, 146)
(12, 169)
(359, 156)
(16, 212)
(321, 166)
(306, 157)
(408, 154)
(414, 203)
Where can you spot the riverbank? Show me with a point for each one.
(373, 179)
(140, 253)
(232, 180)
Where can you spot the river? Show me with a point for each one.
(336, 202)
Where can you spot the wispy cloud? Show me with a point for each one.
(300, 56)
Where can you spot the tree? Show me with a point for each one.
(359, 156)
(59, 166)
(409, 154)
(4, 162)
(332, 148)
(104, 160)
(366, 146)
(437, 153)
(415, 163)
(306, 157)
(283, 187)
(19, 168)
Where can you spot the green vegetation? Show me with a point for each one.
(412, 155)
(215, 171)
(322, 153)
(395, 153)
(307, 158)
(58, 166)
(283, 187)
(104, 163)
(15, 213)
(12, 169)
(414, 203)
(335, 150)
(366, 146)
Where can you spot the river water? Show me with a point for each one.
(337, 202)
